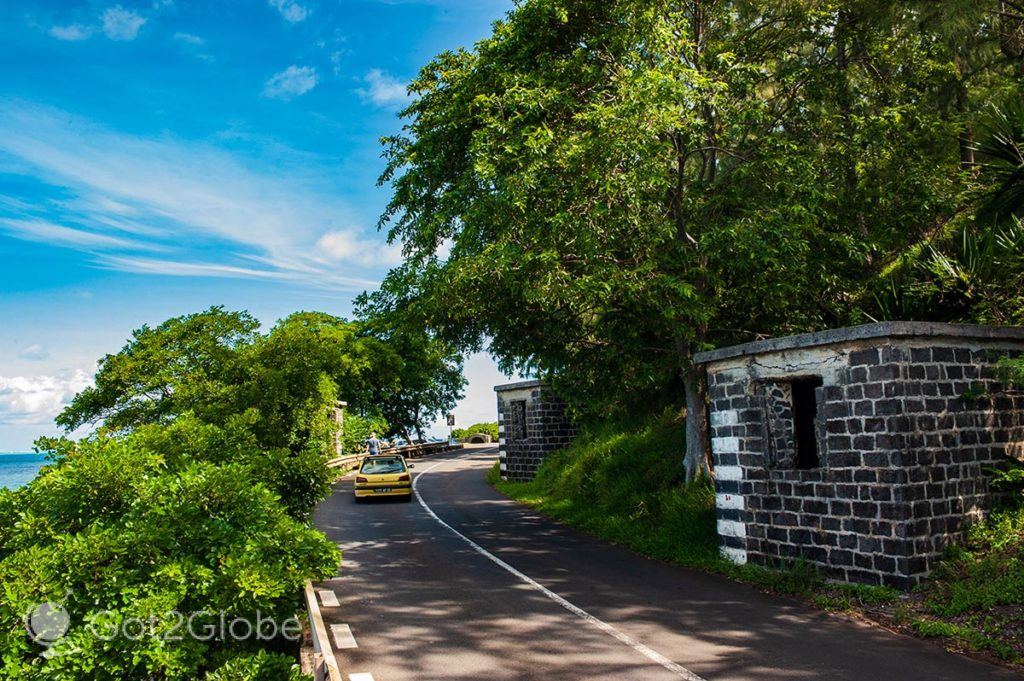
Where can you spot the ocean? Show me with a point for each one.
(19, 469)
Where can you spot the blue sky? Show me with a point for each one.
(157, 158)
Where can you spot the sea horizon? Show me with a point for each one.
(19, 468)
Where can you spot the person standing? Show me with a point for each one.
(373, 444)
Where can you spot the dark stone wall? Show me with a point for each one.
(908, 434)
(532, 423)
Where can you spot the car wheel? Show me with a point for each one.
(359, 500)
(408, 498)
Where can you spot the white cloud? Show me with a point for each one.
(167, 206)
(384, 90)
(193, 45)
(346, 245)
(71, 32)
(122, 24)
(291, 10)
(290, 83)
(35, 353)
(170, 268)
(36, 400)
(47, 232)
(188, 38)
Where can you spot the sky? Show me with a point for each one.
(160, 157)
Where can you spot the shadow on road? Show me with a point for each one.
(426, 605)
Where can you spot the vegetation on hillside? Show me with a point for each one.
(608, 187)
(485, 428)
(626, 485)
(976, 595)
(190, 504)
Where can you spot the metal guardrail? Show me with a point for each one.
(408, 451)
(325, 664)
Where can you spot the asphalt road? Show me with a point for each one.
(464, 584)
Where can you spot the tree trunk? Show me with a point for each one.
(697, 461)
(845, 99)
(966, 137)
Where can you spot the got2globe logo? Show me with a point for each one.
(47, 623)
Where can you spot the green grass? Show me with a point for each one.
(969, 637)
(627, 487)
(986, 572)
(976, 595)
(843, 597)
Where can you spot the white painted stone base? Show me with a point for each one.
(727, 417)
(725, 445)
(730, 501)
(737, 556)
(732, 528)
(729, 473)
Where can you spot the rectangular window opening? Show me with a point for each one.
(516, 421)
(805, 415)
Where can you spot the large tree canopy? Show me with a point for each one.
(623, 183)
(216, 364)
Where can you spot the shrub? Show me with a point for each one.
(114, 536)
(259, 667)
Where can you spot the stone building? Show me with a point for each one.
(863, 450)
(532, 423)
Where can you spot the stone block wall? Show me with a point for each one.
(532, 423)
(909, 423)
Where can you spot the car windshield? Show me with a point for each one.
(392, 464)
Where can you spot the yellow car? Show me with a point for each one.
(384, 476)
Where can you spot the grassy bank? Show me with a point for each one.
(627, 487)
(976, 596)
(625, 484)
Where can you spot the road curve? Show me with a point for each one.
(470, 585)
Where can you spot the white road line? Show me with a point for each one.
(361, 676)
(343, 637)
(639, 647)
(328, 599)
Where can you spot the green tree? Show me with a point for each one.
(626, 183)
(423, 376)
(485, 428)
(188, 363)
(301, 368)
(216, 366)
